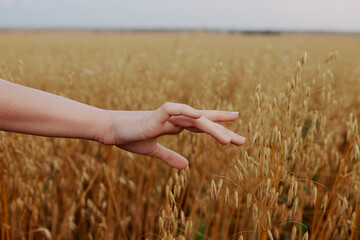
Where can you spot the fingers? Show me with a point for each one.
(171, 128)
(219, 132)
(213, 115)
(235, 139)
(169, 157)
(220, 116)
(182, 121)
(168, 109)
(203, 124)
(214, 129)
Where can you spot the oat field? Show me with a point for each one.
(297, 177)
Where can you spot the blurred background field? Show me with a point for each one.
(297, 177)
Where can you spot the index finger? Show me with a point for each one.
(169, 109)
(220, 116)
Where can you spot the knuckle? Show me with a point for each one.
(222, 128)
(166, 106)
(155, 151)
(187, 107)
(196, 122)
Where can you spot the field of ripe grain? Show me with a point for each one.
(297, 177)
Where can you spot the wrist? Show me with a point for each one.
(103, 124)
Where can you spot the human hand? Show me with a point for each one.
(138, 131)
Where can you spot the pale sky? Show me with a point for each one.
(313, 15)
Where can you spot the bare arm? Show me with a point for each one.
(31, 111)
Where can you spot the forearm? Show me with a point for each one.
(31, 111)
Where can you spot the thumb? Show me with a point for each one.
(169, 157)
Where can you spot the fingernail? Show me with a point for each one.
(235, 113)
(242, 139)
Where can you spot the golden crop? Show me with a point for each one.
(297, 177)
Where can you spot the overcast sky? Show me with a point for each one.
(313, 15)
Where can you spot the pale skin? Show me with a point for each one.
(31, 111)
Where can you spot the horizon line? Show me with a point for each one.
(205, 30)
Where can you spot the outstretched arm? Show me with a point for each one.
(31, 111)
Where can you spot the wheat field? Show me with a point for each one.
(297, 177)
